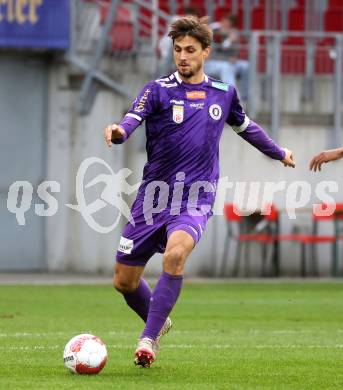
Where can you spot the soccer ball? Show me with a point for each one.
(85, 354)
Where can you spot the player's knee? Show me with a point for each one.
(124, 286)
(173, 260)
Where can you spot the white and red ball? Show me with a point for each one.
(85, 354)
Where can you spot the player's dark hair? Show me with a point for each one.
(193, 27)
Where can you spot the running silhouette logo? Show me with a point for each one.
(112, 194)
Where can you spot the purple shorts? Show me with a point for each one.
(140, 242)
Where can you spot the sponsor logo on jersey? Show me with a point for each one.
(215, 111)
(125, 245)
(178, 114)
(196, 95)
(165, 85)
(222, 86)
(141, 104)
(197, 106)
(177, 102)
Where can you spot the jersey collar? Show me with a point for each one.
(179, 79)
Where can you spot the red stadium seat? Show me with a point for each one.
(121, 33)
(258, 19)
(264, 233)
(312, 240)
(221, 12)
(293, 60)
(333, 20)
(296, 20)
(324, 64)
(272, 237)
(122, 30)
(293, 50)
(335, 4)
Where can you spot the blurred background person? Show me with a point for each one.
(224, 62)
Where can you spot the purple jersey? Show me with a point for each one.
(184, 123)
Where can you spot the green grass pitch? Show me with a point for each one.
(225, 336)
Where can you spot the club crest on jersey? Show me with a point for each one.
(178, 114)
(215, 111)
(196, 95)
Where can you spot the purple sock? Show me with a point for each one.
(139, 300)
(162, 301)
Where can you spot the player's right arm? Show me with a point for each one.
(143, 106)
(325, 157)
(114, 133)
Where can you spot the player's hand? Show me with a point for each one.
(288, 161)
(325, 157)
(112, 133)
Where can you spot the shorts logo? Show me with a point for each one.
(196, 95)
(178, 114)
(125, 245)
(215, 111)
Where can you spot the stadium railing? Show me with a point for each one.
(309, 241)
(247, 228)
(135, 29)
(271, 57)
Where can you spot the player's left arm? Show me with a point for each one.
(325, 157)
(256, 136)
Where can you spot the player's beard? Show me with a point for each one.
(190, 73)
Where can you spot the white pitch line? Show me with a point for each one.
(180, 346)
(178, 332)
(54, 334)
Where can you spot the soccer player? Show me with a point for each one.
(185, 114)
(325, 157)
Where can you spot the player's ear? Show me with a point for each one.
(206, 52)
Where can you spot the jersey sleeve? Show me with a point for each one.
(143, 106)
(252, 132)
